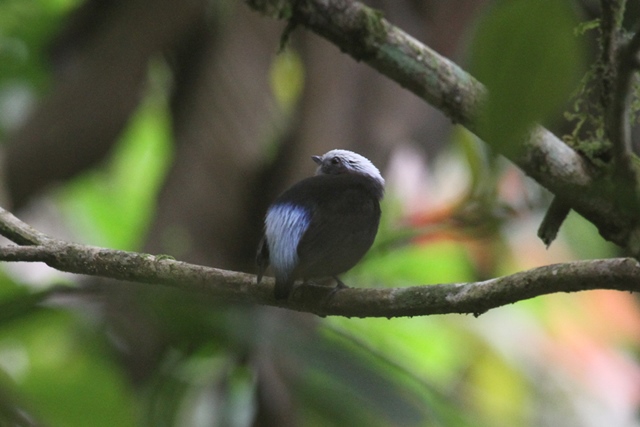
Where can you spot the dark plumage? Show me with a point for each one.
(323, 225)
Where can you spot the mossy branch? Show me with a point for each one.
(474, 298)
(601, 103)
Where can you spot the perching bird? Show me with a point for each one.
(323, 225)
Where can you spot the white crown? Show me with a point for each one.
(356, 163)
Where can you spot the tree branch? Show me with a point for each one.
(475, 298)
(19, 232)
(610, 25)
(613, 77)
(619, 127)
(366, 36)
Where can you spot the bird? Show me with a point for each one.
(323, 225)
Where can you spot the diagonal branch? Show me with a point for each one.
(366, 36)
(19, 232)
(475, 298)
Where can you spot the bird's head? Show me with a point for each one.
(337, 162)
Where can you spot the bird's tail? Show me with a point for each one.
(283, 288)
(262, 258)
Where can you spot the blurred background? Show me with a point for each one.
(168, 127)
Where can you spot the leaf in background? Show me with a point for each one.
(499, 390)
(18, 301)
(61, 369)
(287, 79)
(346, 386)
(432, 348)
(112, 206)
(26, 29)
(479, 161)
(527, 55)
(348, 382)
(436, 262)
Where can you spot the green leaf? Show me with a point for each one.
(527, 55)
(287, 79)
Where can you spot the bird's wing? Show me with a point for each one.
(342, 229)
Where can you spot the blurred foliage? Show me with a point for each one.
(23, 47)
(113, 205)
(63, 369)
(55, 367)
(527, 55)
(26, 29)
(287, 79)
(61, 366)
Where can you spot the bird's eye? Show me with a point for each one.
(335, 161)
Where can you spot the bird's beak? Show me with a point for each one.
(317, 159)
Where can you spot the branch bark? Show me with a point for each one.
(366, 36)
(618, 126)
(618, 66)
(474, 298)
(613, 94)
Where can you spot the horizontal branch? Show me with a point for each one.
(362, 33)
(475, 298)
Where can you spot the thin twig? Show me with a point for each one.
(553, 219)
(19, 232)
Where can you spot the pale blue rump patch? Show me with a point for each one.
(284, 226)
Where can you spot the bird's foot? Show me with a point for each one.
(339, 286)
